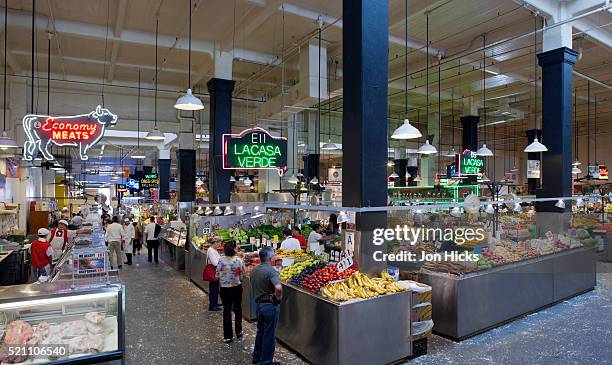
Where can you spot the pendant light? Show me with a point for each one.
(188, 101)
(575, 169)
(314, 181)
(535, 146)
(232, 178)
(427, 149)
(394, 175)
(5, 140)
(484, 150)
(406, 130)
(138, 155)
(228, 211)
(452, 152)
(155, 134)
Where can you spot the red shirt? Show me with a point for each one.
(301, 239)
(40, 251)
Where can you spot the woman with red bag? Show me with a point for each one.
(210, 275)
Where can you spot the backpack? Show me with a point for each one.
(158, 229)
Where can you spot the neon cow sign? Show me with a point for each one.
(82, 131)
(254, 149)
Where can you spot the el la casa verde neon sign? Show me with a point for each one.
(254, 149)
(83, 131)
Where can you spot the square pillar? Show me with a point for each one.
(365, 34)
(164, 178)
(220, 123)
(557, 68)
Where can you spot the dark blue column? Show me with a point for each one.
(220, 123)
(400, 168)
(533, 184)
(164, 178)
(469, 139)
(186, 163)
(365, 38)
(147, 169)
(557, 67)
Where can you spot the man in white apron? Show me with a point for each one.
(128, 244)
(59, 238)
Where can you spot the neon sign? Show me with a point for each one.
(150, 181)
(470, 163)
(133, 184)
(254, 149)
(83, 131)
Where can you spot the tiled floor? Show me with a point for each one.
(167, 323)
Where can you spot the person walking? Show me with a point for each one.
(128, 244)
(137, 238)
(267, 290)
(114, 236)
(151, 235)
(229, 272)
(42, 255)
(212, 258)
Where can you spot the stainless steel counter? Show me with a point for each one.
(471, 304)
(249, 307)
(368, 332)
(197, 262)
(172, 254)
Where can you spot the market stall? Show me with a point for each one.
(172, 249)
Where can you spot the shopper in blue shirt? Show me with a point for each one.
(267, 290)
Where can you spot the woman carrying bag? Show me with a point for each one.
(210, 274)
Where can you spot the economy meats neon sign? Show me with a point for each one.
(254, 149)
(83, 131)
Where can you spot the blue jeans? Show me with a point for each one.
(267, 319)
(213, 295)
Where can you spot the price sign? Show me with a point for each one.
(206, 230)
(89, 263)
(344, 264)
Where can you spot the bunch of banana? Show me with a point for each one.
(361, 286)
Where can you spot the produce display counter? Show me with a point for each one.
(466, 305)
(172, 247)
(325, 332)
(197, 262)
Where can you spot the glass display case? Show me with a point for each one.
(52, 323)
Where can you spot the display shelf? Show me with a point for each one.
(325, 332)
(64, 310)
(466, 305)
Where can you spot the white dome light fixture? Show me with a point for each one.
(155, 135)
(217, 211)
(406, 131)
(228, 211)
(292, 179)
(257, 213)
(6, 141)
(560, 204)
(452, 153)
(535, 146)
(576, 163)
(576, 170)
(417, 178)
(232, 178)
(208, 211)
(394, 175)
(427, 149)
(484, 151)
(247, 181)
(329, 146)
(314, 181)
(188, 102)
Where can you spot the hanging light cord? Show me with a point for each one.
(595, 127)
(406, 63)
(319, 81)
(575, 125)
(33, 43)
(453, 118)
(156, 39)
(535, 73)
(4, 79)
(484, 84)
(427, 77)
(138, 115)
(439, 118)
(588, 122)
(189, 57)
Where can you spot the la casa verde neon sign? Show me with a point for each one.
(470, 163)
(254, 149)
(82, 131)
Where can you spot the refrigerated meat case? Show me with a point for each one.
(60, 307)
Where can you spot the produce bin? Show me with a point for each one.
(369, 332)
(468, 305)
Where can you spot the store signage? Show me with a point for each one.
(90, 262)
(82, 131)
(122, 188)
(150, 181)
(345, 262)
(133, 184)
(470, 163)
(533, 169)
(335, 175)
(254, 149)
